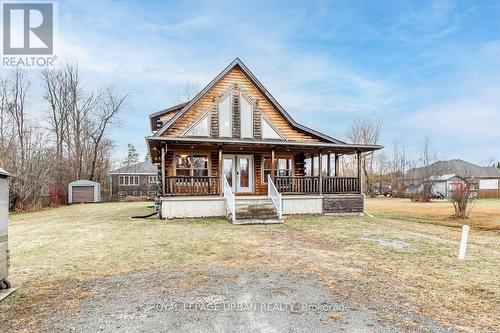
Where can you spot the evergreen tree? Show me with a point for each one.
(132, 156)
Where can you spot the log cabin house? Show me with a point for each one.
(234, 151)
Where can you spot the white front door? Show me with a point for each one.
(238, 170)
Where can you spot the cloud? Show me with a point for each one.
(427, 22)
(326, 63)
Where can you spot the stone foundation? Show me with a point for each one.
(343, 203)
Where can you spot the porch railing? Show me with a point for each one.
(230, 198)
(190, 185)
(275, 196)
(297, 184)
(309, 184)
(340, 185)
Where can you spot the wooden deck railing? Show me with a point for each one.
(309, 184)
(296, 184)
(340, 185)
(184, 185)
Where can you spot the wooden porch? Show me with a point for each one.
(198, 168)
(209, 185)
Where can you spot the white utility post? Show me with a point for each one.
(463, 242)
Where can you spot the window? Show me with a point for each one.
(268, 131)
(312, 166)
(201, 128)
(225, 117)
(129, 180)
(152, 179)
(324, 164)
(284, 167)
(191, 165)
(246, 127)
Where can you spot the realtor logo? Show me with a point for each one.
(27, 30)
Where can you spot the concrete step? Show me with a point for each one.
(256, 210)
(258, 221)
(254, 201)
(254, 207)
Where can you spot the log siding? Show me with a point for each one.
(237, 78)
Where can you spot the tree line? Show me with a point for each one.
(70, 142)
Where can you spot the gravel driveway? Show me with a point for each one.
(211, 299)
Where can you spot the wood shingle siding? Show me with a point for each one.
(232, 82)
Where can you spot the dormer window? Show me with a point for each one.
(225, 117)
(246, 109)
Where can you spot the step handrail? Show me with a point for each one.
(275, 196)
(230, 198)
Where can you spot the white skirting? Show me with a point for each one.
(302, 204)
(181, 207)
(206, 206)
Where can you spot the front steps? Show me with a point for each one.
(256, 210)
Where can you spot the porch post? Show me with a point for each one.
(320, 169)
(337, 165)
(272, 164)
(328, 165)
(358, 158)
(163, 180)
(221, 192)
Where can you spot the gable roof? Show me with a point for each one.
(237, 62)
(154, 117)
(443, 178)
(145, 167)
(458, 167)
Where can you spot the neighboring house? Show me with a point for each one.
(484, 180)
(233, 151)
(445, 184)
(381, 188)
(136, 180)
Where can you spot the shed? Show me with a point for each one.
(84, 191)
(445, 184)
(4, 213)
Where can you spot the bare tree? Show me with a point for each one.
(110, 105)
(427, 172)
(24, 150)
(188, 91)
(366, 131)
(460, 196)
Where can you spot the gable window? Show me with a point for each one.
(283, 167)
(268, 131)
(200, 128)
(191, 165)
(225, 117)
(246, 110)
(129, 180)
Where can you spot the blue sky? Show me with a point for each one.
(422, 67)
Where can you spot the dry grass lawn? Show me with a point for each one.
(421, 283)
(485, 213)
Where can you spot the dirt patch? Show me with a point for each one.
(220, 299)
(395, 244)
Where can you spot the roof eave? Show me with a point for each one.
(266, 142)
